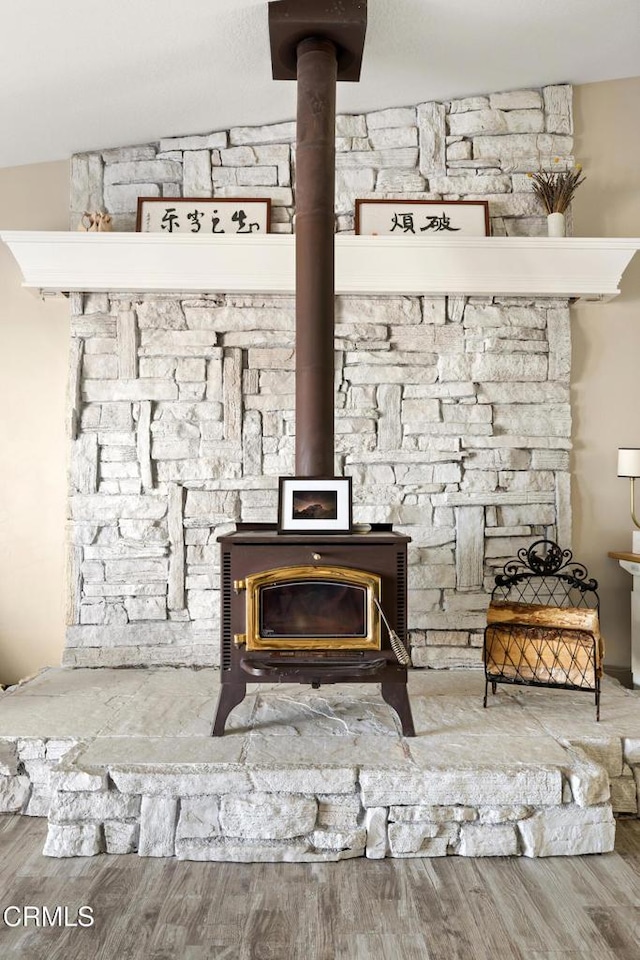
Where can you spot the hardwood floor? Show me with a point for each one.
(439, 909)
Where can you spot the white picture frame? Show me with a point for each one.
(315, 505)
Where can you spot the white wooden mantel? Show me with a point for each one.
(569, 267)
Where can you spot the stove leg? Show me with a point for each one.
(231, 694)
(396, 695)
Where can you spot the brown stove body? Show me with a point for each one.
(300, 609)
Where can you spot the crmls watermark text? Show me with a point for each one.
(47, 917)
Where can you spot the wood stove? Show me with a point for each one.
(307, 608)
(300, 609)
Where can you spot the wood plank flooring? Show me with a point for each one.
(583, 908)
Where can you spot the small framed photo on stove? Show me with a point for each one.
(315, 505)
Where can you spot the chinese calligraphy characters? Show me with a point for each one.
(423, 219)
(204, 216)
(171, 222)
(406, 223)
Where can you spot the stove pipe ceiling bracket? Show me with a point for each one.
(317, 43)
(342, 22)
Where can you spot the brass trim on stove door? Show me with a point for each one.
(282, 575)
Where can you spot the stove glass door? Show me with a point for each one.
(313, 607)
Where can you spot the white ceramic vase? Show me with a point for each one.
(556, 225)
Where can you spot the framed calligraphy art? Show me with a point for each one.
(204, 216)
(422, 218)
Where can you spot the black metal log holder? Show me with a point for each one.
(545, 574)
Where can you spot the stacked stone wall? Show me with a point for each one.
(237, 811)
(452, 415)
(472, 148)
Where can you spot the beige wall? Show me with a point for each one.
(606, 348)
(33, 354)
(34, 341)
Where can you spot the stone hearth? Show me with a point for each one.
(121, 761)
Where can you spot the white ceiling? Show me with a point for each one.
(80, 75)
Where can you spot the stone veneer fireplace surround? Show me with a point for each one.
(453, 417)
(453, 411)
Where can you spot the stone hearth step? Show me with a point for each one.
(121, 762)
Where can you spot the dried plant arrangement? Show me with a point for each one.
(556, 188)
